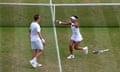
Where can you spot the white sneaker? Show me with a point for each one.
(34, 64)
(39, 65)
(85, 49)
(71, 57)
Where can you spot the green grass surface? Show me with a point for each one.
(95, 39)
(91, 16)
(15, 49)
(88, 15)
(23, 15)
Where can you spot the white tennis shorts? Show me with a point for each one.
(77, 38)
(37, 45)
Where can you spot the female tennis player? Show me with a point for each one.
(76, 37)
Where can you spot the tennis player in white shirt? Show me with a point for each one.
(76, 37)
(37, 41)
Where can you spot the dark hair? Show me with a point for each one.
(36, 17)
(76, 17)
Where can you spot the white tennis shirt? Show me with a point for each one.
(75, 31)
(34, 27)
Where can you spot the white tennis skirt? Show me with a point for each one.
(77, 38)
(37, 45)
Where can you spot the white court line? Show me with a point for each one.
(90, 4)
(25, 4)
(80, 4)
(55, 35)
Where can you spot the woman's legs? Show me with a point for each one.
(70, 46)
(71, 50)
(77, 47)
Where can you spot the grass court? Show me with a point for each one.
(100, 27)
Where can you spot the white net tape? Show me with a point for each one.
(81, 4)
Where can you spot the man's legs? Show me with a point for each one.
(34, 52)
(40, 52)
(36, 55)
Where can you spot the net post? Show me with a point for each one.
(54, 13)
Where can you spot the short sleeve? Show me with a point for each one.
(38, 28)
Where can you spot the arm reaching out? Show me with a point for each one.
(63, 23)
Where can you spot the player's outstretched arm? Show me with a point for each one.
(63, 23)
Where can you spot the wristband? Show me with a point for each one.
(43, 40)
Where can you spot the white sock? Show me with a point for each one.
(84, 48)
(34, 59)
(71, 54)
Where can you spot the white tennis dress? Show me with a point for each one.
(76, 35)
(36, 42)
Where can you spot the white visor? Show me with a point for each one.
(73, 18)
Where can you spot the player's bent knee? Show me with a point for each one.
(42, 51)
(76, 47)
